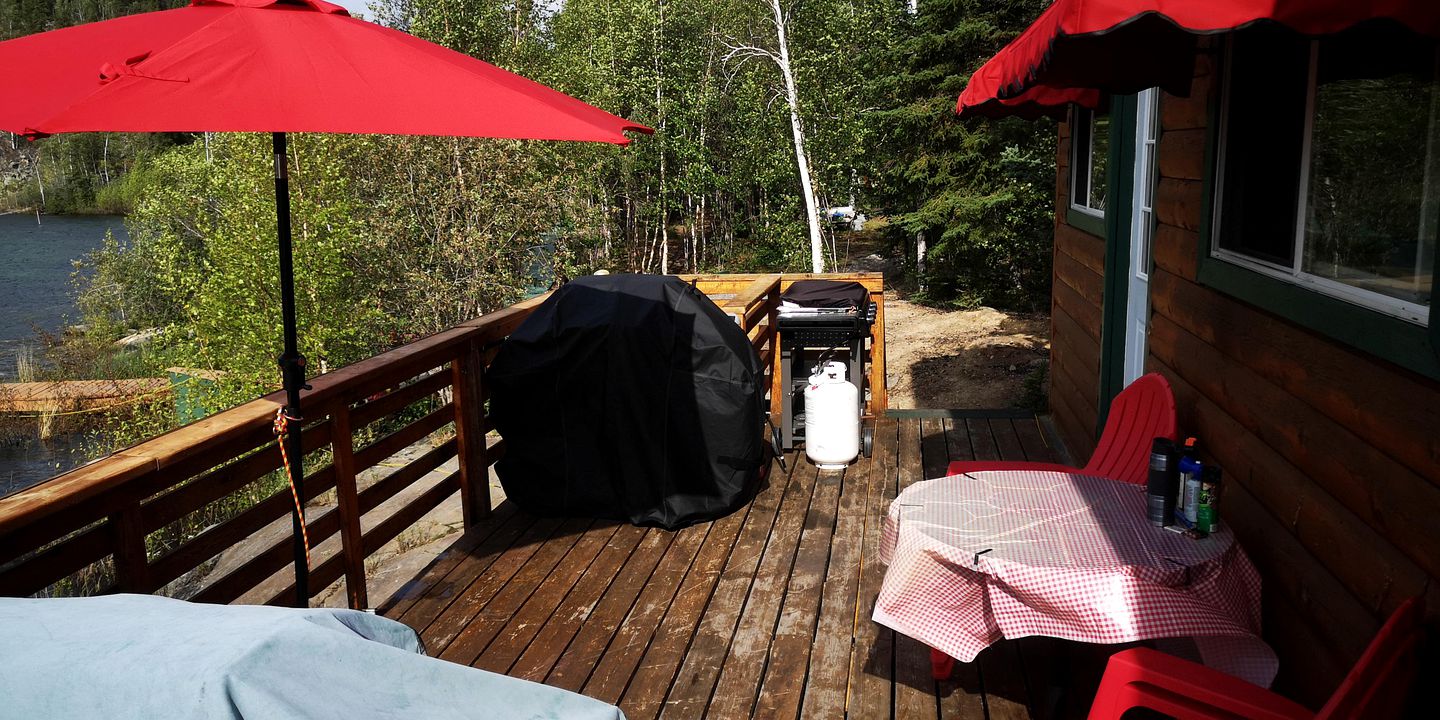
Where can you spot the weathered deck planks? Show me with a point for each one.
(765, 613)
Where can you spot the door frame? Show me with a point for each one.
(1120, 182)
(1142, 229)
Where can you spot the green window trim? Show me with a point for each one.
(1115, 228)
(1406, 344)
(1076, 215)
(1095, 225)
(1390, 338)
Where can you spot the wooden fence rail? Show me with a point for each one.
(128, 522)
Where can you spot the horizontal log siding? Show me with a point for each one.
(1333, 456)
(1079, 262)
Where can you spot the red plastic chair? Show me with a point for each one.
(1140, 413)
(1375, 688)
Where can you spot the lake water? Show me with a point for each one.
(36, 263)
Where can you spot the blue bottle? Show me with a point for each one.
(1188, 506)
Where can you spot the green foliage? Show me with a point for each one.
(1035, 389)
(201, 261)
(980, 190)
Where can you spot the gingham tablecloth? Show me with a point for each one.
(989, 555)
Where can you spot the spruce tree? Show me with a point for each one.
(978, 190)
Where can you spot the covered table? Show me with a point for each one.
(146, 657)
(989, 555)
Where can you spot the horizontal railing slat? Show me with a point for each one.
(371, 455)
(223, 481)
(57, 562)
(333, 567)
(219, 538)
(398, 399)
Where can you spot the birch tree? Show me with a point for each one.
(780, 56)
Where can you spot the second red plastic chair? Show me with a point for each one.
(1140, 413)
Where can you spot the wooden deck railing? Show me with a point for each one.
(101, 521)
(754, 300)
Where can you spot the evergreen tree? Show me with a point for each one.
(977, 191)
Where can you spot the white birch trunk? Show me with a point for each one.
(660, 114)
(920, 248)
(802, 161)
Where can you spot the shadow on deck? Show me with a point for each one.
(765, 613)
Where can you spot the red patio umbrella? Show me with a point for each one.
(276, 66)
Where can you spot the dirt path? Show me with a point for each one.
(949, 359)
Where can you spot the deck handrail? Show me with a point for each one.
(108, 510)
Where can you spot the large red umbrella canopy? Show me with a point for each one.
(1078, 48)
(275, 66)
(270, 66)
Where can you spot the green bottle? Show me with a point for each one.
(1207, 512)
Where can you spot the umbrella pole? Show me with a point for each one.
(292, 366)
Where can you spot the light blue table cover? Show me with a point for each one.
(140, 656)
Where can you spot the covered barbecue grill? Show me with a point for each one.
(630, 397)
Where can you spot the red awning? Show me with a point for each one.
(1079, 48)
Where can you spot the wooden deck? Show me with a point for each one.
(765, 613)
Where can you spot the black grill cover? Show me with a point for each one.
(630, 397)
(826, 294)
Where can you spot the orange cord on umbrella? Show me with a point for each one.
(282, 428)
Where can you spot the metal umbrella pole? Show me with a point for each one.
(292, 372)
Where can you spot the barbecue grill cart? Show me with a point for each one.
(819, 321)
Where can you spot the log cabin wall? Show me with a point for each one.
(1331, 455)
(1075, 298)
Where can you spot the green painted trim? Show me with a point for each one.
(1074, 217)
(1085, 221)
(961, 414)
(1120, 189)
(1406, 344)
(1434, 312)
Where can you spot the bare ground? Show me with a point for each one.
(952, 359)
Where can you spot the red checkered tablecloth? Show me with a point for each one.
(989, 555)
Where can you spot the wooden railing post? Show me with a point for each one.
(879, 395)
(474, 475)
(777, 390)
(132, 568)
(347, 501)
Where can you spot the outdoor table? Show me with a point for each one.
(983, 556)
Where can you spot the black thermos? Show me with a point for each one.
(1163, 484)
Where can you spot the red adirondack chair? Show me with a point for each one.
(1141, 412)
(1375, 688)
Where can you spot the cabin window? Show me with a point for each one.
(1090, 144)
(1329, 166)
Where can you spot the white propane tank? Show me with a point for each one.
(832, 418)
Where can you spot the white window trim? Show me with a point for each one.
(1089, 165)
(1385, 304)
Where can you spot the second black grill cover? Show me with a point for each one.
(630, 397)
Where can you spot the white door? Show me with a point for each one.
(1142, 229)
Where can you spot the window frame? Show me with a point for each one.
(1079, 215)
(1268, 286)
(1294, 273)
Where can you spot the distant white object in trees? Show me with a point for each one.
(846, 215)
